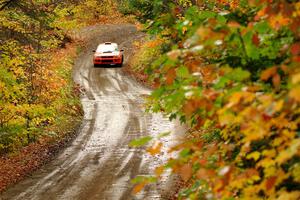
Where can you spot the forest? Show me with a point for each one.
(40, 107)
(228, 69)
(37, 94)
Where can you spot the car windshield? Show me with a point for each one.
(107, 48)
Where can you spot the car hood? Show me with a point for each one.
(115, 53)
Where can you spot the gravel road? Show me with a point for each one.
(99, 164)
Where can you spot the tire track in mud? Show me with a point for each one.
(99, 164)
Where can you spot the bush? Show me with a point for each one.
(232, 75)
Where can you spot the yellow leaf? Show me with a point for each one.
(295, 93)
(270, 171)
(254, 155)
(289, 195)
(266, 163)
(289, 153)
(269, 153)
(278, 105)
(296, 78)
(184, 30)
(248, 97)
(159, 170)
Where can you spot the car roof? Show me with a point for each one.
(107, 46)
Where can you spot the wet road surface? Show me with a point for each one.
(99, 164)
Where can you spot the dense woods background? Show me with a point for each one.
(37, 95)
(230, 70)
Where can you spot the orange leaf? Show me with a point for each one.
(139, 187)
(233, 24)
(155, 149)
(235, 99)
(276, 80)
(189, 107)
(170, 76)
(202, 162)
(268, 73)
(278, 21)
(205, 173)
(186, 172)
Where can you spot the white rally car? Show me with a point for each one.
(108, 54)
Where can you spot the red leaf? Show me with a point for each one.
(270, 182)
(255, 40)
(295, 49)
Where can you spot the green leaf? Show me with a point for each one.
(238, 74)
(161, 135)
(184, 153)
(262, 27)
(206, 14)
(157, 93)
(183, 72)
(144, 179)
(140, 142)
(221, 19)
(222, 83)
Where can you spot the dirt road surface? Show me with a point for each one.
(99, 164)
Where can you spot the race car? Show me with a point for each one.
(108, 53)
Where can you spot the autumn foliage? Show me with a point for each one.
(37, 94)
(231, 72)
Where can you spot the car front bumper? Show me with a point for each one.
(107, 61)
